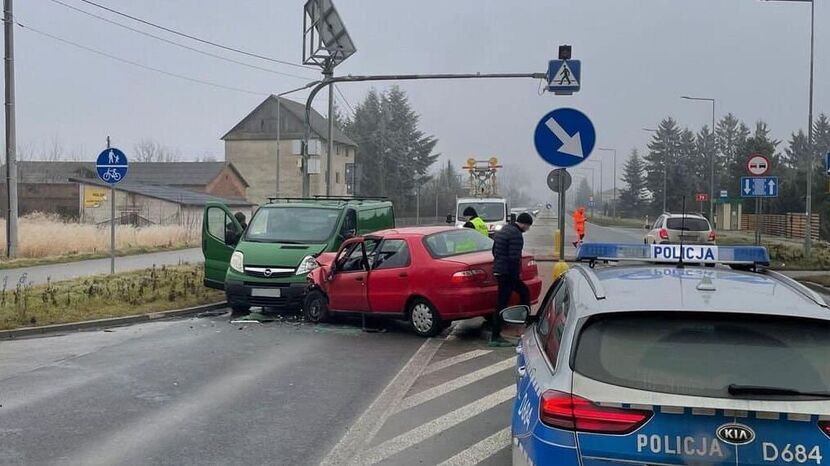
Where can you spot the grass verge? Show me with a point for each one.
(51, 260)
(785, 253)
(617, 222)
(99, 297)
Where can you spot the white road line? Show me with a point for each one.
(445, 363)
(364, 429)
(436, 426)
(481, 450)
(454, 384)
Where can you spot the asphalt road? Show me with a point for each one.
(56, 272)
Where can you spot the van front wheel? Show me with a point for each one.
(316, 307)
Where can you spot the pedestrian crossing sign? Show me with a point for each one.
(564, 76)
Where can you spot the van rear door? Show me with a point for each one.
(220, 233)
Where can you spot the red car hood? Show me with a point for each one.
(326, 258)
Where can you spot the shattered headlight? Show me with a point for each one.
(308, 264)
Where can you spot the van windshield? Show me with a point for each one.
(488, 211)
(292, 225)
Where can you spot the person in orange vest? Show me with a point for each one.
(579, 224)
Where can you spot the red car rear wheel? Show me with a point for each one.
(424, 319)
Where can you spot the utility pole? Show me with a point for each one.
(279, 131)
(327, 74)
(11, 136)
(711, 156)
(808, 240)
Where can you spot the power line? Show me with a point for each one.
(177, 44)
(343, 98)
(129, 62)
(182, 34)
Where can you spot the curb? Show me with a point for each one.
(105, 323)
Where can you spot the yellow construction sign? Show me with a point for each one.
(94, 196)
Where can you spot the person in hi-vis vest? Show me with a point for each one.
(475, 222)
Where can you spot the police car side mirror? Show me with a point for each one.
(515, 315)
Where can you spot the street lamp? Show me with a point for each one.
(600, 177)
(807, 235)
(711, 157)
(665, 168)
(614, 194)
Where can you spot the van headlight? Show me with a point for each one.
(308, 264)
(498, 227)
(237, 262)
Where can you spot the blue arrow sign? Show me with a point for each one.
(565, 137)
(112, 166)
(564, 76)
(759, 186)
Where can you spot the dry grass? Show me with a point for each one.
(47, 236)
(124, 294)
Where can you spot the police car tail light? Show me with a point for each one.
(825, 427)
(712, 235)
(664, 234)
(565, 411)
(468, 276)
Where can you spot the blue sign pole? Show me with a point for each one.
(112, 165)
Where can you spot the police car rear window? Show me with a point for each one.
(703, 354)
(690, 224)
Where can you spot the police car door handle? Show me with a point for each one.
(521, 370)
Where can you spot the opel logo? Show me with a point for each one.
(736, 434)
(267, 272)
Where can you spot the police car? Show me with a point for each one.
(669, 363)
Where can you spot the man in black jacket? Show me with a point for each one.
(507, 266)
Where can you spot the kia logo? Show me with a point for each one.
(267, 272)
(736, 434)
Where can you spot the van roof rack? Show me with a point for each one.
(344, 199)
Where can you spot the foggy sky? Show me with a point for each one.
(638, 58)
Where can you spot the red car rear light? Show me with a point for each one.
(566, 411)
(468, 276)
(534, 269)
(664, 234)
(825, 427)
(712, 235)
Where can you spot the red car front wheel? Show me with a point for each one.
(316, 307)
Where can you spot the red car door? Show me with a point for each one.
(347, 289)
(389, 284)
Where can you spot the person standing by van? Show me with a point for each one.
(475, 222)
(507, 267)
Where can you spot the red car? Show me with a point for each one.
(429, 276)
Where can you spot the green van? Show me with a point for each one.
(263, 265)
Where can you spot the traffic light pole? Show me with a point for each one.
(331, 80)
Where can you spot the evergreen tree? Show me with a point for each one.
(392, 151)
(661, 160)
(633, 196)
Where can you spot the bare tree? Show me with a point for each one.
(150, 150)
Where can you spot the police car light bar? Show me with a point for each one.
(672, 253)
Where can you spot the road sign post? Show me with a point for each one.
(563, 188)
(112, 166)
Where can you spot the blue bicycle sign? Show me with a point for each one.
(112, 165)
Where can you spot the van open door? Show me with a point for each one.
(220, 234)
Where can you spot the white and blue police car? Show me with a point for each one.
(668, 363)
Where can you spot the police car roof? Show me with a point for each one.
(667, 288)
